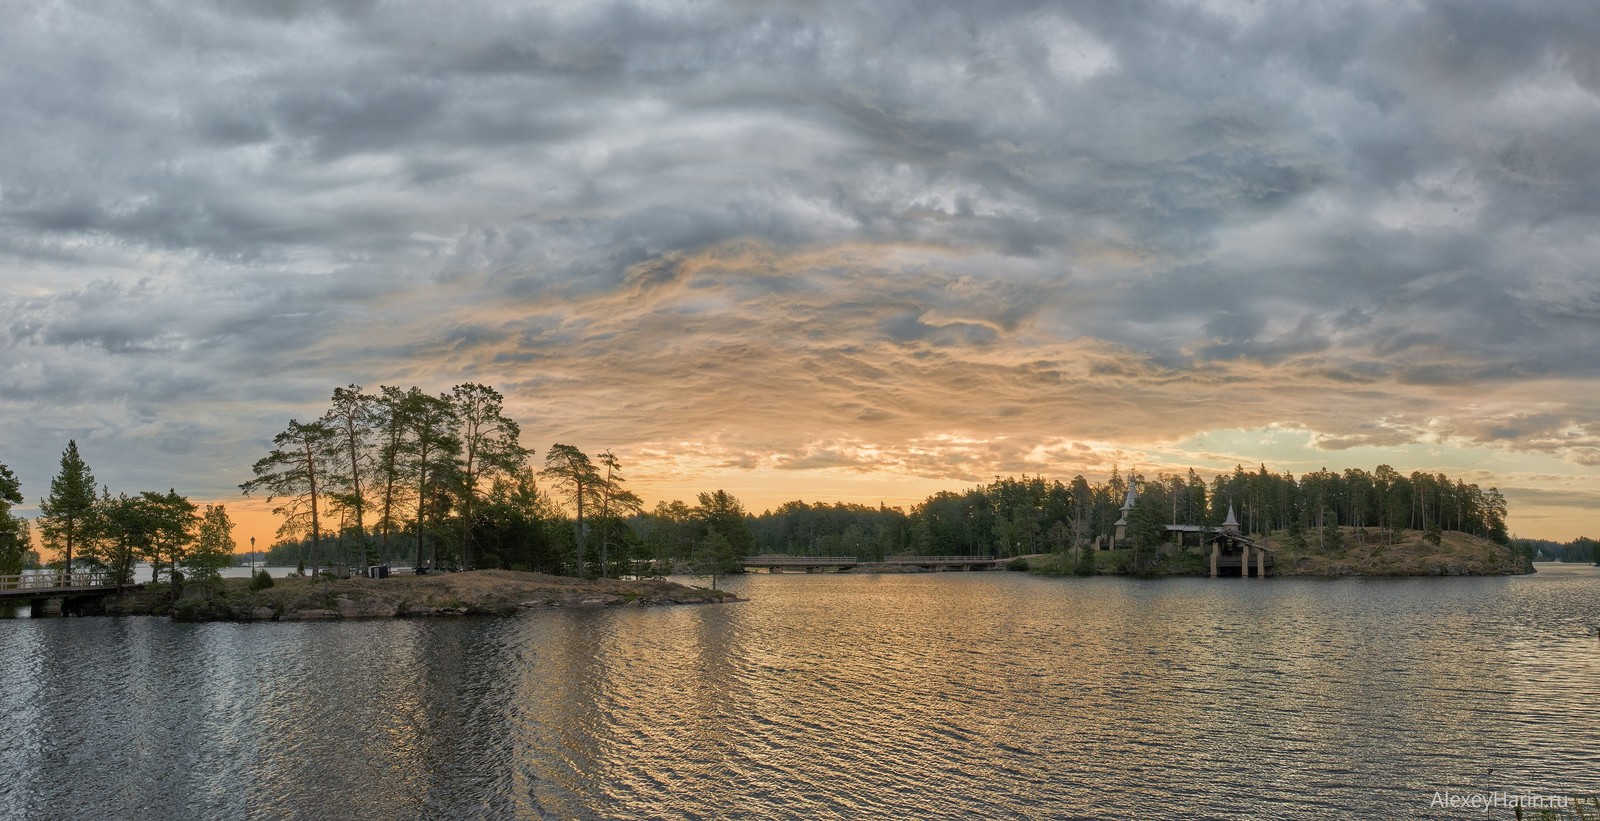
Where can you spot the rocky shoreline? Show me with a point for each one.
(473, 593)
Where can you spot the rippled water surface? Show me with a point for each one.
(917, 696)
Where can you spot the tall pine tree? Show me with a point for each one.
(66, 512)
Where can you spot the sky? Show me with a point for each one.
(813, 250)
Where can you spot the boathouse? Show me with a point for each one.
(1230, 551)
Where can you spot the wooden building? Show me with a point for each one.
(1231, 552)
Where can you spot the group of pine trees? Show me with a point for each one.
(442, 480)
(376, 466)
(111, 534)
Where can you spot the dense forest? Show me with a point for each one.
(1582, 550)
(1029, 514)
(442, 480)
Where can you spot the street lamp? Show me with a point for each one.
(252, 557)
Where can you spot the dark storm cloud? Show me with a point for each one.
(851, 229)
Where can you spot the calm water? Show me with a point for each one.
(915, 696)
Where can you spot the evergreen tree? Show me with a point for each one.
(428, 453)
(391, 421)
(489, 449)
(1297, 530)
(1087, 560)
(213, 549)
(511, 529)
(171, 519)
(579, 481)
(722, 516)
(716, 557)
(120, 530)
(1333, 538)
(13, 529)
(615, 502)
(63, 514)
(1146, 532)
(351, 418)
(295, 471)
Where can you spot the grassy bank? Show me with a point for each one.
(1407, 554)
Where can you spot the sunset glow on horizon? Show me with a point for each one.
(814, 251)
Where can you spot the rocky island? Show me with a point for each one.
(472, 593)
(1406, 553)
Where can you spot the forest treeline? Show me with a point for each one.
(1582, 550)
(441, 480)
(1029, 514)
(413, 478)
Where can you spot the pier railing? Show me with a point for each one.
(58, 580)
(923, 560)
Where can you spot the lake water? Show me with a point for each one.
(951, 695)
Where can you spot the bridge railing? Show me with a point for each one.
(56, 580)
(938, 559)
(797, 561)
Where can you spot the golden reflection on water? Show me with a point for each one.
(940, 695)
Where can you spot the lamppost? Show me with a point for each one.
(252, 557)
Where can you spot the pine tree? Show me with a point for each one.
(1146, 533)
(428, 453)
(577, 478)
(172, 521)
(295, 471)
(350, 418)
(615, 502)
(13, 529)
(1087, 560)
(120, 530)
(65, 512)
(489, 449)
(722, 515)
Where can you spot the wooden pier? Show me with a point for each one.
(56, 593)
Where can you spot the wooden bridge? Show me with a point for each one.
(821, 564)
(54, 593)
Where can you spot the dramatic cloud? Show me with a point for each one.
(755, 243)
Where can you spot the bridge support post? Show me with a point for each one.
(1261, 564)
(1216, 549)
(1244, 563)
